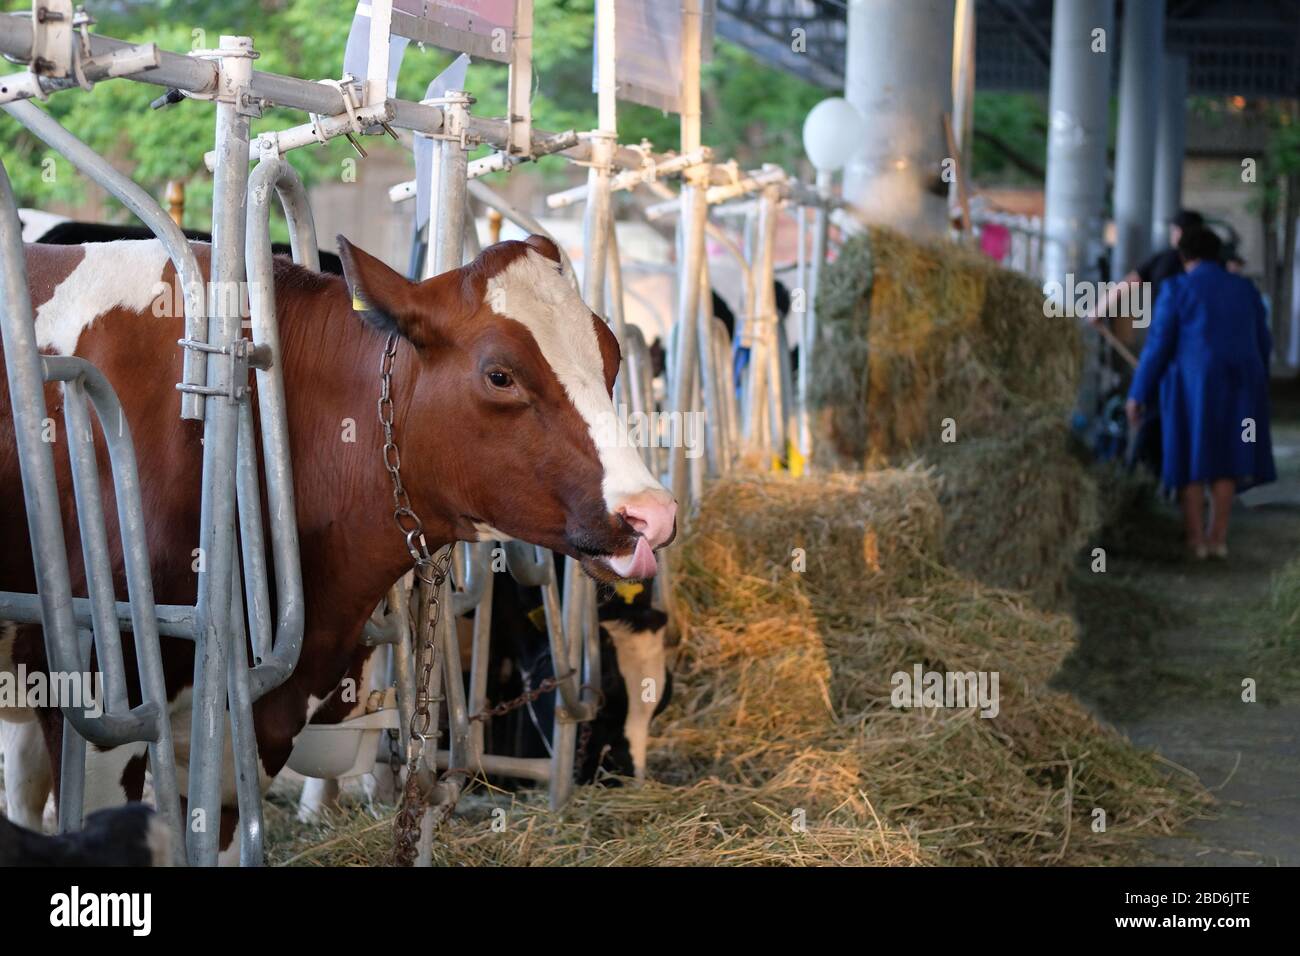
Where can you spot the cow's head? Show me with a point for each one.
(511, 429)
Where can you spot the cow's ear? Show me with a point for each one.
(546, 246)
(387, 299)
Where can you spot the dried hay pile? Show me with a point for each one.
(781, 745)
(1018, 507)
(935, 352)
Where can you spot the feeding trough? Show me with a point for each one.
(346, 749)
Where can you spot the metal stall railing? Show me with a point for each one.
(84, 387)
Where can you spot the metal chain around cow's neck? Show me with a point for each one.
(432, 572)
(408, 522)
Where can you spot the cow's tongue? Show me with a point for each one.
(638, 565)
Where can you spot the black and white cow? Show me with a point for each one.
(636, 684)
(129, 835)
(50, 229)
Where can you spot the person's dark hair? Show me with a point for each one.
(1199, 244)
(782, 298)
(1188, 219)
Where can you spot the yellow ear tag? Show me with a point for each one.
(538, 617)
(628, 590)
(796, 459)
(358, 305)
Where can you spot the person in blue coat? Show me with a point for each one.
(1207, 356)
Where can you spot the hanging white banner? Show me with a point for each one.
(648, 51)
(482, 28)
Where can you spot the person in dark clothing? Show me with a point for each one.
(1206, 362)
(1167, 263)
(1158, 269)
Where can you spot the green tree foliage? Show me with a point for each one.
(1010, 142)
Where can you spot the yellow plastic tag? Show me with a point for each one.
(538, 617)
(628, 590)
(795, 458)
(358, 305)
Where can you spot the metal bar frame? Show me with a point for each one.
(215, 617)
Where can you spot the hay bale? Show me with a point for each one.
(781, 745)
(1018, 507)
(914, 333)
(1016, 788)
(923, 337)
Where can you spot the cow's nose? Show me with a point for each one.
(652, 514)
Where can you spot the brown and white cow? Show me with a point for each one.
(502, 388)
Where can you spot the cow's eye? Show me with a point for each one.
(500, 378)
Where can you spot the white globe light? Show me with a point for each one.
(832, 133)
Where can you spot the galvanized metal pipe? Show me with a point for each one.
(711, 397)
(94, 545)
(491, 198)
(521, 768)
(24, 369)
(72, 757)
(275, 178)
(220, 446)
(808, 342)
(762, 427)
(614, 313)
(174, 620)
(454, 690)
(480, 664)
(147, 210)
(685, 366)
(632, 378)
(148, 720)
(243, 735)
(449, 231)
(719, 365)
(399, 610)
(197, 75)
(519, 86)
(252, 540)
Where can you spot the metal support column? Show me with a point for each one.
(1135, 144)
(898, 73)
(1171, 143)
(1078, 129)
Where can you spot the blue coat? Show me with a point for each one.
(1207, 353)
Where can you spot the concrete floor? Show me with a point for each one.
(1165, 664)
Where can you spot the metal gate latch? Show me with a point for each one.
(243, 356)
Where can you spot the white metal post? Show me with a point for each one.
(376, 78)
(694, 216)
(898, 73)
(520, 86)
(808, 339)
